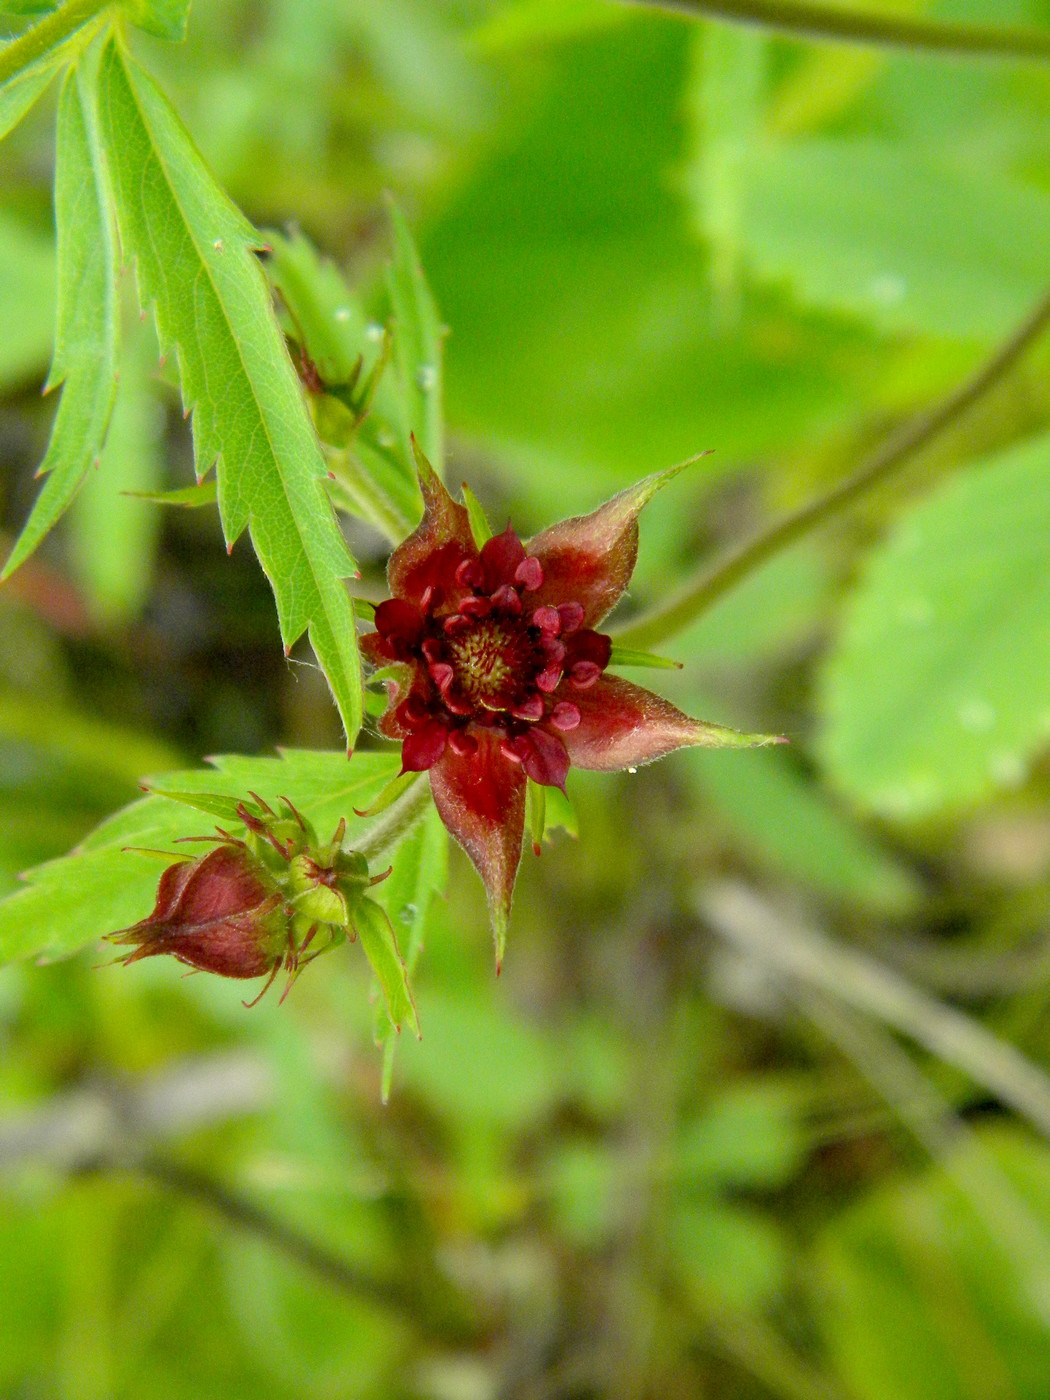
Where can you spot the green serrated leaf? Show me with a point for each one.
(939, 688)
(18, 95)
(165, 18)
(99, 887)
(85, 359)
(65, 28)
(27, 302)
(194, 254)
(324, 786)
(113, 531)
(893, 234)
(374, 478)
(376, 932)
(205, 493)
(418, 346)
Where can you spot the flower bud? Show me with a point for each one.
(250, 907)
(220, 913)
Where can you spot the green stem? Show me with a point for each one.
(395, 822)
(816, 21)
(713, 581)
(35, 43)
(364, 498)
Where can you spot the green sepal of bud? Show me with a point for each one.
(312, 896)
(393, 790)
(376, 932)
(624, 656)
(479, 521)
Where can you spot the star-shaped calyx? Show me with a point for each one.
(497, 674)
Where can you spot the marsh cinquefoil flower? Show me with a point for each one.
(498, 674)
(253, 906)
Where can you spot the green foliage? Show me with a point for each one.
(165, 18)
(419, 876)
(937, 691)
(27, 301)
(906, 241)
(85, 359)
(102, 886)
(372, 466)
(791, 825)
(19, 93)
(418, 336)
(110, 505)
(894, 1323)
(249, 419)
(376, 933)
(635, 1162)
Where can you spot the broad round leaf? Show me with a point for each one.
(939, 687)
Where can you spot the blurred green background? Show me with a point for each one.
(658, 1157)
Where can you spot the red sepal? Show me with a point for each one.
(481, 799)
(590, 558)
(623, 726)
(435, 549)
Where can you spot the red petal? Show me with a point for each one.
(590, 558)
(424, 746)
(500, 556)
(406, 681)
(545, 760)
(481, 799)
(396, 618)
(622, 726)
(432, 553)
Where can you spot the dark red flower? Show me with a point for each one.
(250, 907)
(499, 674)
(220, 913)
